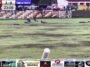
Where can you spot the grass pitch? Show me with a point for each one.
(67, 38)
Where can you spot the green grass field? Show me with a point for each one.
(67, 38)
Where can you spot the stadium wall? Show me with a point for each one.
(81, 14)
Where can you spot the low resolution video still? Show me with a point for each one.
(44, 33)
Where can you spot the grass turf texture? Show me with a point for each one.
(67, 38)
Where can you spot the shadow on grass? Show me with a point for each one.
(55, 45)
(85, 43)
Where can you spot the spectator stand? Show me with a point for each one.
(42, 11)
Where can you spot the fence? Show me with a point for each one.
(34, 13)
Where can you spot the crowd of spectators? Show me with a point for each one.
(41, 10)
